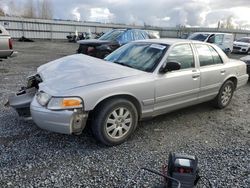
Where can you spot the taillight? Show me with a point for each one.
(10, 44)
(90, 49)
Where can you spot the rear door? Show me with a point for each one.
(212, 71)
(179, 88)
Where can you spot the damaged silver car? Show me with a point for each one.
(141, 79)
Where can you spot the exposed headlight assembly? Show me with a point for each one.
(62, 103)
(42, 98)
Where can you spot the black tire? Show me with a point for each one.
(105, 111)
(225, 95)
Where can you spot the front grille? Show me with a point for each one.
(236, 48)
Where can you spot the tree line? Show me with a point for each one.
(29, 9)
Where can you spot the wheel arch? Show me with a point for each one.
(233, 79)
(128, 97)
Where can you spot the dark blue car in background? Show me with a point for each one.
(110, 41)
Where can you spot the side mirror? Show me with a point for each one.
(170, 66)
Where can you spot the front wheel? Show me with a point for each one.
(225, 95)
(114, 121)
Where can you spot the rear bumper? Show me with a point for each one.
(242, 80)
(4, 54)
(63, 121)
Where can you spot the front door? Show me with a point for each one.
(177, 89)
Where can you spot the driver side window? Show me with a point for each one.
(182, 54)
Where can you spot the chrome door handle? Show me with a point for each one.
(196, 75)
(222, 71)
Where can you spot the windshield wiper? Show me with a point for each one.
(124, 64)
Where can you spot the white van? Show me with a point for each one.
(223, 40)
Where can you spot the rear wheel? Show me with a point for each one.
(225, 95)
(114, 121)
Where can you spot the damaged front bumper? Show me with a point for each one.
(61, 121)
(21, 100)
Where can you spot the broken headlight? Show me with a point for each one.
(42, 98)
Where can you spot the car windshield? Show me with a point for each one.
(247, 40)
(111, 35)
(141, 56)
(198, 36)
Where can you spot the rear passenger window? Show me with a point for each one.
(216, 56)
(207, 55)
(183, 54)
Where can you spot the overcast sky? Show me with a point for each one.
(205, 13)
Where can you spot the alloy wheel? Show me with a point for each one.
(226, 95)
(118, 123)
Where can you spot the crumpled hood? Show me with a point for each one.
(81, 70)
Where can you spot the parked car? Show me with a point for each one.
(6, 46)
(110, 41)
(223, 40)
(242, 45)
(246, 59)
(78, 36)
(141, 79)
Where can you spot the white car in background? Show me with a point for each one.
(222, 40)
(6, 46)
(242, 45)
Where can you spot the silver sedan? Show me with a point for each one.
(6, 46)
(139, 80)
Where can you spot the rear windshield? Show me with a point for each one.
(198, 36)
(111, 35)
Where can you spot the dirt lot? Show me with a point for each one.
(31, 157)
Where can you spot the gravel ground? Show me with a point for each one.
(31, 157)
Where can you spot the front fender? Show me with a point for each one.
(118, 94)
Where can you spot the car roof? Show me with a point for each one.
(126, 29)
(169, 41)
(212, 33)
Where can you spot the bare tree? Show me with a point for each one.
(45, 9)
(2, 12)
(229, 22)
(29, 9)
